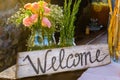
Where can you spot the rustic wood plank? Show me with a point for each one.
(9, 73)
(43, 62)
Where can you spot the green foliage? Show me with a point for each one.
(67, 31)
(18, 16)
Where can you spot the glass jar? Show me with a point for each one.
(38, 40)
(114, 37)
(66, 42)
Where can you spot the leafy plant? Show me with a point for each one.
(69, 16)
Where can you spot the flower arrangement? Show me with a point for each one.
(42, 19)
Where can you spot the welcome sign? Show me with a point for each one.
(57, 60)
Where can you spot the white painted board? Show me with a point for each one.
(57, 60)
(8, 73)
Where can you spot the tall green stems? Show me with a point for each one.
(67, 30)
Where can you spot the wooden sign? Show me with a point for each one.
(57, 60)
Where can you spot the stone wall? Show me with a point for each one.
(12, 41)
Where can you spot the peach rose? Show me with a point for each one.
(46, 22)
(27, 22)
(35, 7)
(34, 18)
(28, 6)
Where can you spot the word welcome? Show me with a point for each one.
(62, 59)
(74, 59)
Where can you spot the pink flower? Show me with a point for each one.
(27, 21)
(46, 22)
(34, 18)
(47, 10)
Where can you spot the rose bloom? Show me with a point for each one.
(27, 22)
(46, 10)
(34, 18)
(28, 6)
(46, 22)
(35, 7)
